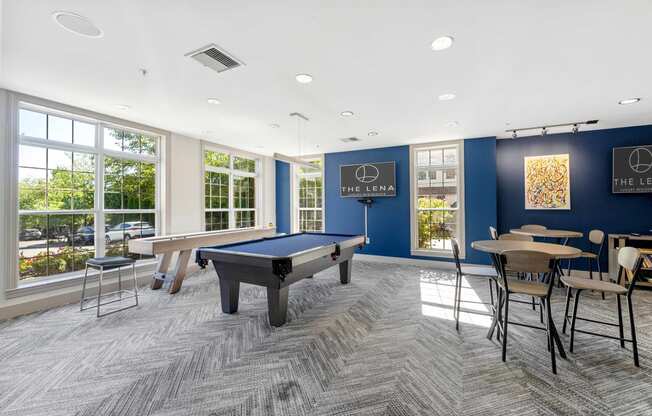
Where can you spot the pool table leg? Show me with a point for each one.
(229, 293)
(277, 305)
(345, 272)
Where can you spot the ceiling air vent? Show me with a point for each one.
(215, 58)
(350, 139)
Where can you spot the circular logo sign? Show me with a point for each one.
(640, 160)
(366, 173)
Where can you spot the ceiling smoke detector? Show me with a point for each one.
(215, 58)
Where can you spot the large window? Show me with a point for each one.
(229, 191)
(437, 198)
(84, 189)
(309, 198)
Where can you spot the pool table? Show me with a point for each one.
(276, 263)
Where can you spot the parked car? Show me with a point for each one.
(128, 230)
(84, 236)
(30, 234)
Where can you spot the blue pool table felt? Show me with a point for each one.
(284, 246)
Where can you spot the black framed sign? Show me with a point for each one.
(368, 179)
(632, 170)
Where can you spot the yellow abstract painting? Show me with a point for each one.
(547, 182)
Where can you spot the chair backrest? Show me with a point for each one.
(533, 227)
(456, 254)
(527, 261)
(516, 237)
(629, 260)
(596, 237)
(493, 233)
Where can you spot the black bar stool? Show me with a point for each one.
(104, 264)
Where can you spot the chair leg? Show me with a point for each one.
(81, 302)
(456, 301)
(120, 282)
(597, 262)
(540, 311)
(491, 291)
(633, 329)
(591, 269)
(568, 296)
(621, 332)
(551, 341)
(505, 321)
(501, 303)
(133, 268)
(99, 291)
(572, 335)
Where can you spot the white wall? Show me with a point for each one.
(5, 151)
(185, 185)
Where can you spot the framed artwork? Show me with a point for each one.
(547, 182)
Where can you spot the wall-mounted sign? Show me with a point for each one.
(632, 170)
(547, 182)
(368, 179)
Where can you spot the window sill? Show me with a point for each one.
(72, 279)
(435, 254)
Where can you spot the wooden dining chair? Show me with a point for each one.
(534, 263)
(515, 237)
(596, 242)
(493, 233)
(629, 262)
(533, 227)
(487, 273)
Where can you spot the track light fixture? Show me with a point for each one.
(575, 128)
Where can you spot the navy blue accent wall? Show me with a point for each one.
(592, 203)
(389, 218)
(479, 194)
(283, 198)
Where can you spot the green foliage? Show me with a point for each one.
(434, 225)
(67, 259)
(216, 159)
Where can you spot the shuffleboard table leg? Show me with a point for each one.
(345, 272)
(309, 277)
(161, 269)
(229, 294)
(277, 305)
(180, 270)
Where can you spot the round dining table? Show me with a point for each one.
(556, 251)
(561, 235)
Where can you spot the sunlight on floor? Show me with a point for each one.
(438, 294)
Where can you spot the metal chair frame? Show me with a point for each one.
(100, 295)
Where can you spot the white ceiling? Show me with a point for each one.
(525, 62)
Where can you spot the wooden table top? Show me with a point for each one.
(556, 251)
(547, 233)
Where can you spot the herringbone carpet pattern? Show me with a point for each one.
(383, 345)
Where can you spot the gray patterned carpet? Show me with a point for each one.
(383, 345)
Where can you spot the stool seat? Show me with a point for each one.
(590, 284)
(110, 261)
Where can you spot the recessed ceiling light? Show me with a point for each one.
(629, 101)
(441, 43)
(372, 133)
(446, 97)
(122, 107)
(77, 24)
(213, 101)
(452, 124)
(304, 78)
(274, 126)
(347, 113)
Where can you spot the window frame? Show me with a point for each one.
(295, 176)
(231, 172)
(461, 217)
(19, 102)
